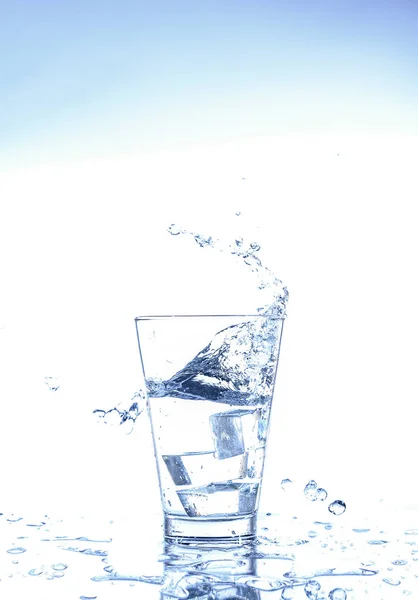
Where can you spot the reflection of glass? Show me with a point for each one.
(210, 383)
(212, 573)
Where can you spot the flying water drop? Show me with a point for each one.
(337, 507)
(337, 594)
(311, 490)
(312, 588)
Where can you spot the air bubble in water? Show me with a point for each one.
(337, 507)
(52, 383)
(312, 588)
(337, 594)
(311, 490)
(287, 593)
(174, 229)
(321, 494)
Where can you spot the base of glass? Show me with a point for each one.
(189, 531)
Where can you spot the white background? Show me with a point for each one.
(84, 250)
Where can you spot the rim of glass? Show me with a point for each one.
(213, 316)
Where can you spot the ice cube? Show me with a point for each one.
(201, 468)
(235, 592)
(234, 431)
(219, 499)
(247, 498)
(255, 463)
(177, 470)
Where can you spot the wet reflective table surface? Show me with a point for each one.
(314, 554)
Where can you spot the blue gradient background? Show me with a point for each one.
(117, 119)
(103, 78)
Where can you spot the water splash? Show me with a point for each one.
(123, 415)
(246, 253)
(52, 383)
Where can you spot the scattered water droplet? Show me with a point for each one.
(286, 484)
(337, 507)
(59, 566)
(310, 490)
(202, 240)
(35, 572)
(174, 229)
(312, 588)
(254, 247)
(391, 581)
(287, 593)
(15, 562)
(17, 550)
(337, 594)
(399, 562)
(238, 213)
(321, 494)
(57, 574)
(52, 383)
(88, 597)
(13, 519)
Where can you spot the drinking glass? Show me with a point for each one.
(209, 382)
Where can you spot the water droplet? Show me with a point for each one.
(312, 588)
(12, 519)
(17, 550)
(399, 562)
(15, 562)
(255, 247)
(337, 594)
(287, 593)
(238, 213)
(202, 240)
(52, 383)
(35, 572)
(59, 566)
(88, 597)
(391, 581)
(321, 494)
(174, 229)
(337, 507)
(286, 484)
(310, 490)
(377, 542)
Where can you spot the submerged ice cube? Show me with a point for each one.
(177, 470)
(255, 463)
(234, 431)
(219, 499)
(202, 468)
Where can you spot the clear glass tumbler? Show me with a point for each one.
(210, 383)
